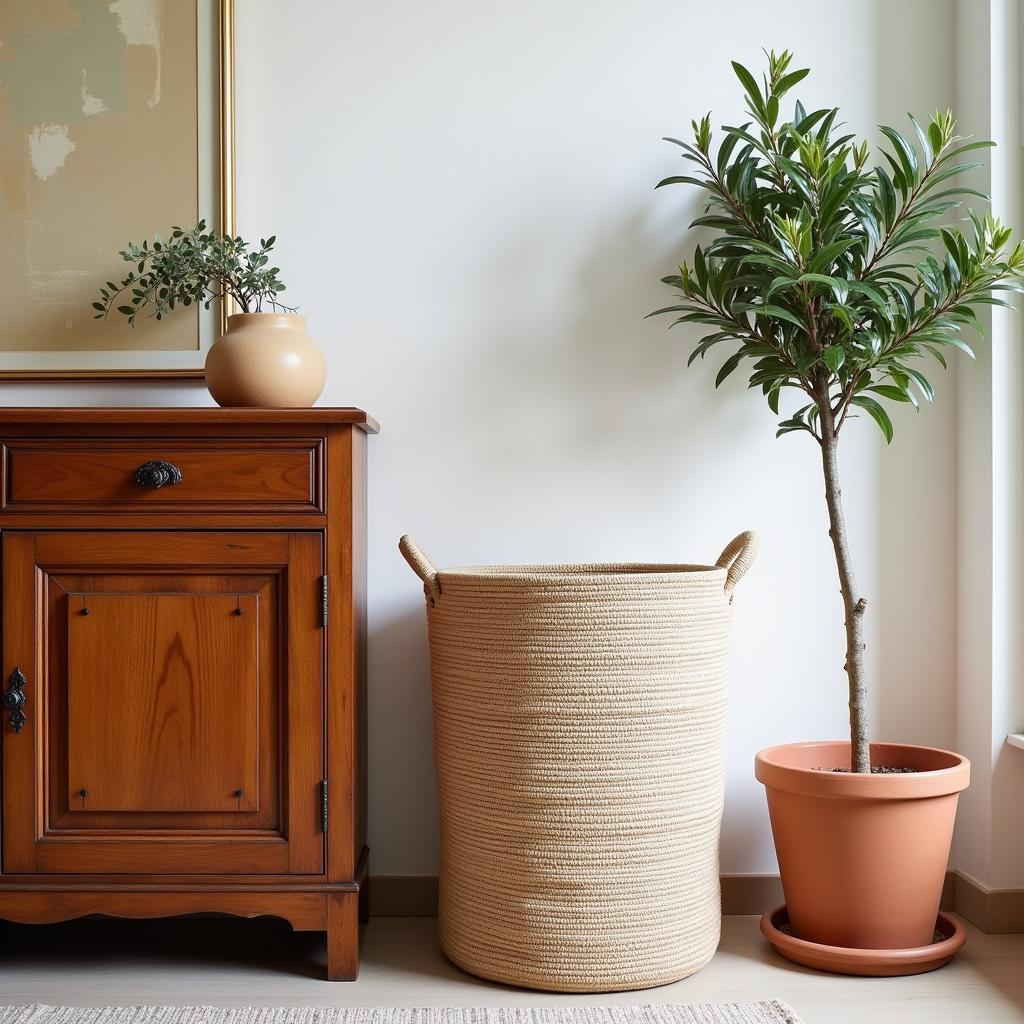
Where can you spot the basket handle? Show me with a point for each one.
(737, 558)
(422, 566)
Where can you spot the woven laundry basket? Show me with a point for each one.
(578, 732)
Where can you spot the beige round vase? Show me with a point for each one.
(266, 360)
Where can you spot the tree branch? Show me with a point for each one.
(854, 606)
(904, 212)
(753, 335)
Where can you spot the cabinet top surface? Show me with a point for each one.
(153, 416)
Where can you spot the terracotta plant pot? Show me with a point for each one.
(863, 857)
(266, 360)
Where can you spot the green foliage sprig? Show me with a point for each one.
(823, 270)
(194, 267)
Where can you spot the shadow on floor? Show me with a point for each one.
(104, 943)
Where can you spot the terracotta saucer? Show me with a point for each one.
(877, 963)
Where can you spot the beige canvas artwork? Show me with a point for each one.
(100, 132)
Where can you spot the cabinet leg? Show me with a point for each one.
(342, 936)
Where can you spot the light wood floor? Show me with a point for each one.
(262, 963)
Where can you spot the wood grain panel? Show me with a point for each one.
(153, 600)
(162, 702)
(305, 672)
(177, 551)
(22, 806)
(223, 474)
(305, 911)
(346, 664)
(343, 934)
(68, 813)
(176, 419)
(195, 853)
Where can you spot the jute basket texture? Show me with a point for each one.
(579, 713)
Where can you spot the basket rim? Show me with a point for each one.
(655, 572)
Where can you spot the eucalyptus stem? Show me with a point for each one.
(193, 267)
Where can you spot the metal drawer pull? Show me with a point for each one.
(14, 699)
(157, 474)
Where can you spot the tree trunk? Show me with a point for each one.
(860, 751)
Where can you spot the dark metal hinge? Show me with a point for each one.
(323, 602)
(323, 805)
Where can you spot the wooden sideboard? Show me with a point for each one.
(183, 720)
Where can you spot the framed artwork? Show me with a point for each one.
(115, 124)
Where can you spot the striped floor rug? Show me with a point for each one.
(726, 1013)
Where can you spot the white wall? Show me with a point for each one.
(463, 195)
(990, 840)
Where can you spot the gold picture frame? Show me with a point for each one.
(215, 19)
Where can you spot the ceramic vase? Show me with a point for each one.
(265, 360)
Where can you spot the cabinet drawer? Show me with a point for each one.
(208, 475)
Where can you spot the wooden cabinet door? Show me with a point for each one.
(162, 702)
(173, 703)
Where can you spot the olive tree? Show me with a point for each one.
(837, 278)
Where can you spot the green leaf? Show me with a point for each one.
(803, 125)
(700, 267)
(877, 413)
(725, 151)
(714, 220)
(834, 356)
(947, 172)
(830, 282)
(894, 394)
(926, 146)
(924, 385)
(842, 314)
(887, 196)
(750, 86)
(727, 367)
(782, 281)
(780, 314)
(905, 152)
(953, 341)
(828, 254)
(790, 428)
(705, 344)
(841, 290)
(871, 292)
(969, 147)
(788, 81)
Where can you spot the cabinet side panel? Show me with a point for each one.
(346, 669)
(358, 584)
